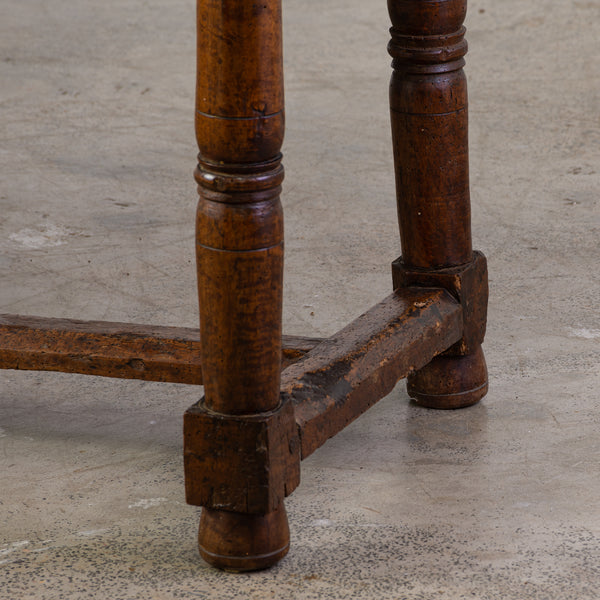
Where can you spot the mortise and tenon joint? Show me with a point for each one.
(467, 283)
(218, 448)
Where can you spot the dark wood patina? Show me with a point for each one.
(124, 350)
(272, 400)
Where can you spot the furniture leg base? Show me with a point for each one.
(241, 542)
(449, 382)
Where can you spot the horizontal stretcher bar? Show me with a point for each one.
(124, 350)
(344, 375)
(330, 381)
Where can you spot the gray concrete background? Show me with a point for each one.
(96, 222)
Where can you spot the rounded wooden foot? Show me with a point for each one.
(240, 542)
(450, 381)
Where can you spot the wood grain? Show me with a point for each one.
(123, 350)
(428, 106)
(239, 250)
(346, 374)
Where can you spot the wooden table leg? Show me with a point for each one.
(244, 440)
(428, 102)
(239, 128)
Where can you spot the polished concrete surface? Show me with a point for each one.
(500, 500)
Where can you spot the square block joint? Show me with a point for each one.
(240, 463)
(468, 283)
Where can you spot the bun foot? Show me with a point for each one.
(241, 542)
(449, 382)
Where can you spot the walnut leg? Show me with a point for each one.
(239, 128)
(428, 102)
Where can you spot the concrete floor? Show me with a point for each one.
(97, 200)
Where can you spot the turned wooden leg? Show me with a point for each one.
(428, 102)
(239, 128)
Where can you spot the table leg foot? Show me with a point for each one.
(241, 542)
(449, 382)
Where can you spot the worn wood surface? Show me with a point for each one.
(124, 350)
(244, 440)
(450, 381)
(346, 374)
(260, 540)
(239, 237)
(467, 283)
(239, 225)
(240, 463)
(428, 105)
